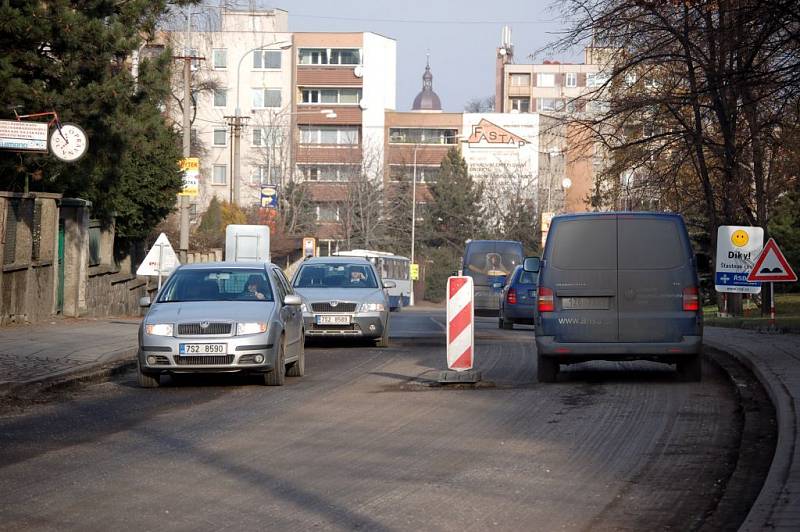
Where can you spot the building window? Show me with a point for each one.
(425, 174)
(521, 105)
(329, 172)
(332, 96)
(403, 135)
(265, 174)
(545, 80)
(551, 104)
(266, 98)
(219, 58)
(520, 80)
(220, 175)
(329, 56)
(220, 137)
(220, 97)
(327, 212)
(596, 79)
(329, 135)
(571, 79)
(267, 136)
(266, 59)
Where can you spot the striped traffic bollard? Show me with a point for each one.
(460, 323)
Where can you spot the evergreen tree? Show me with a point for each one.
(455, 214)
(73, 58)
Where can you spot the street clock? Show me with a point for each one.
(68, 143)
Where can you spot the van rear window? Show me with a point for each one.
(585, 244)
(650, 244)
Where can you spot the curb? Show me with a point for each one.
(761, 514)
(120, 362)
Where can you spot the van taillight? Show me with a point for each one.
(691, 299)
(511, 297)
(544, 299)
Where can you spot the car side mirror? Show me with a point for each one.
(145, 301)
(497, 285)
(531, 264)
(293, 300)
(389, 284)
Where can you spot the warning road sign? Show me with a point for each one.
(771, 266)
(160, 260)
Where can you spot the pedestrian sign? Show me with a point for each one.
(737, 247)
(771, 266)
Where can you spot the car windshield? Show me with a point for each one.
(224, 284)
(336, 275)
(489, 260)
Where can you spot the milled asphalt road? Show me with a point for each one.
(365, 441)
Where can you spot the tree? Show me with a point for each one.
(692, 103)
(72, 58)
(454, 214)
(480, 105)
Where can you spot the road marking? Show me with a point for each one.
(441, 325)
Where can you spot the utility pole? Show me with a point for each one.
(236, 123)
(187, 58)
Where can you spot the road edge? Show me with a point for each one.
(761, 512)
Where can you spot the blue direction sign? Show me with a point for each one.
(734, 281)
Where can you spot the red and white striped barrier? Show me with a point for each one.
(460, 323)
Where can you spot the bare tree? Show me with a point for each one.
(480, 105)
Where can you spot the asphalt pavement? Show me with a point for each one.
(61, 351)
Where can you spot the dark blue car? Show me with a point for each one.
(518, 299)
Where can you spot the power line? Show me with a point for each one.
(428, 21)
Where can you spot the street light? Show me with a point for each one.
(237, 118)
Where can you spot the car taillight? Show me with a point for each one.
(691, 299)
(511, 297)
(544, 299)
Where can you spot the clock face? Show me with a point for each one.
(69, 144)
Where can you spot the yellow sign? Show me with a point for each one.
(191, 176)
(415, 272)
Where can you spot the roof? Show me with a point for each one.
(335, 260)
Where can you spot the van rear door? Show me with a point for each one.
(582, 271)
(654, 268)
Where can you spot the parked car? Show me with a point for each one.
(223, 317)
(344, 297)
(617, 286)
(518, 299)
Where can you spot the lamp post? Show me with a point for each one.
(236, 121)
(413, 216)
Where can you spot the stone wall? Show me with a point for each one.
(111, 292)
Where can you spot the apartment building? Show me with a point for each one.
(557, 91)
(343, 85)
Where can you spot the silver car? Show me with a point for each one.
(223, 317)
(345, 297)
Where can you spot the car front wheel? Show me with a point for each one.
(298, 367)
(277, 376)
(147, 380)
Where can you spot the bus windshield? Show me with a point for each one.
(490, 261)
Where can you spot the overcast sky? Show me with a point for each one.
(461, 36)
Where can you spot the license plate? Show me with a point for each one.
(333, 320)
(532, 293)
(203, 349)
(584, 303)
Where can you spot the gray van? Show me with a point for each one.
(617, 286)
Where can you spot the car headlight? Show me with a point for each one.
(159, 329)
(304, 308)
(371, 307)
(251, 328)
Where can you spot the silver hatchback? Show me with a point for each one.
(223, 317)
(344, 297)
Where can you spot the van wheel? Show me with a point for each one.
(277, 376)
(546, 368)
(691, 370)
(500, 324)
(298, 367)
(508, 324)
(147, 380)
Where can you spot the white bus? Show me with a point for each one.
(392, 268)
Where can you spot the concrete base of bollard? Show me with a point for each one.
(459, 377)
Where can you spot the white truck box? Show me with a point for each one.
(246, 242)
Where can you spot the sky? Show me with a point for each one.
(460, 35)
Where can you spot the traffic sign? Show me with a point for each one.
(309, 247)
(460, 320)
(771, 266)
(414, 271)
(737, 247)
(160, 260)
